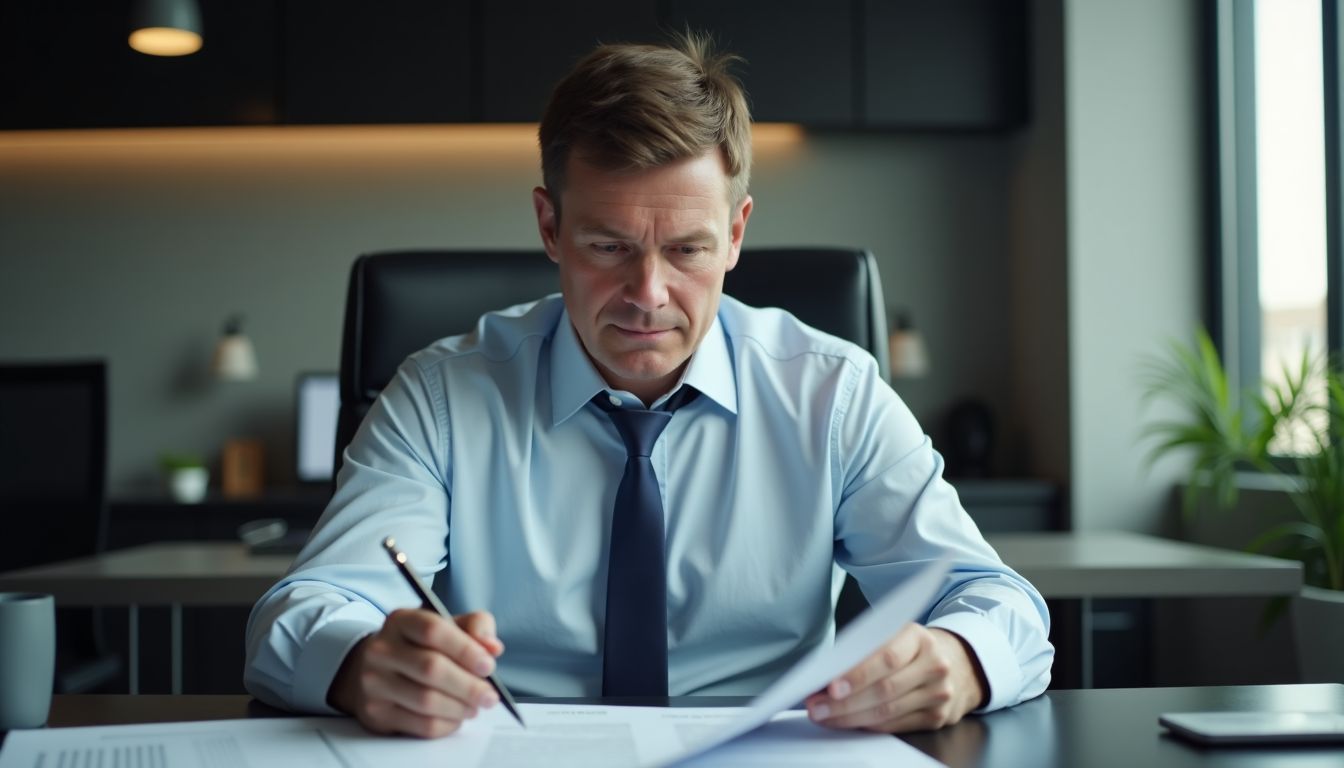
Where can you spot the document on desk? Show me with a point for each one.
(586, 736)
(558, 736)
(254, 743)
(765, 733)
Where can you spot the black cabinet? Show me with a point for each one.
(797, 58)
(394, 61)
(865, 64)
(798, 55)
(528, 45)
(946, 64)
(136, 521)
(1005, 505)
(66, 64)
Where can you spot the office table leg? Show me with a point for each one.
(1085, 642)
(177, 648)
(133, 667)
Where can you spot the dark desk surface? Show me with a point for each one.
(1093, 728)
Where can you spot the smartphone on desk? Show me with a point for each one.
(1232, 728)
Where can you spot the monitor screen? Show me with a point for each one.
(319, 402)
(41, 420)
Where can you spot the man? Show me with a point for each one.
(699, 561)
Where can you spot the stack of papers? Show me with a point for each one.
(765, 733)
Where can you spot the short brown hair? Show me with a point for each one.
(629, 107)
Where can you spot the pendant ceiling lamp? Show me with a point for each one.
(165, 27)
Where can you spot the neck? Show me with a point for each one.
(648, 392)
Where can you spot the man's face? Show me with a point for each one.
(642, 256)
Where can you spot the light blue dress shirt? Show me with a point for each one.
(487, 461)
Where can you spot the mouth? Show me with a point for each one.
(643, 334)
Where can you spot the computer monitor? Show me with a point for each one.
(318, 401)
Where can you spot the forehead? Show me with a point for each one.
(691, 188)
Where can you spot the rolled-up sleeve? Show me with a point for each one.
(895, 513)
(341, 586)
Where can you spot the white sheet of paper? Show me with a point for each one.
(588, 736)
(558, 736)
(289, 742)
(790, 740)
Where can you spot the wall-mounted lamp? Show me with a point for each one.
(235, 359)
(166, 27)
(242, 459)
(909, 358)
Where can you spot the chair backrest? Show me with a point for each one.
(399, 302)
(53, 462)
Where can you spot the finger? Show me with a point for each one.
(385, 717)
(886, 660)
(922, 708)
(926, 719)
(419, 698)
(434, 670)
(893, 687)
(481, 626)
(429, 630)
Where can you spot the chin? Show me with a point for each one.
(642, 366)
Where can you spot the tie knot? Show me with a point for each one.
(640, 428)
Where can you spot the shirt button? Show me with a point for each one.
(614, 400)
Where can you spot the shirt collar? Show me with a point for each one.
(574, 379)
(711, 369)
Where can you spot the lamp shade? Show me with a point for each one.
(166, 27)
(909, 356)
(234, 359)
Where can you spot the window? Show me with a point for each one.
(1272, 297)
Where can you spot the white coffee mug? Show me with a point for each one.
(27, 659)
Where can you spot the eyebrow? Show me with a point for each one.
(697, 236)
(694, 236)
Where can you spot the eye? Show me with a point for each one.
(688, 250)
(607, 248)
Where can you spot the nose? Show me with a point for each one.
(646, 284)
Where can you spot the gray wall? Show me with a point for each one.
(135, 245)
(1134, 142)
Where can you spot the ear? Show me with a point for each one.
(737, 227)
(547, 224)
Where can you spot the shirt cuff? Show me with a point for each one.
(997, 659)
(320, 660)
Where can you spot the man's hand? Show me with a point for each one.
(923, 679)
(420, 674)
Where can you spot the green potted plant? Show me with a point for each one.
(187, 477)
(1229, 432)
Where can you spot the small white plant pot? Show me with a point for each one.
(188, 484)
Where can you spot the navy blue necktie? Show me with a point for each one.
(634, 648)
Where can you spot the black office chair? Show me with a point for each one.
(399, 302)
(53, 469)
